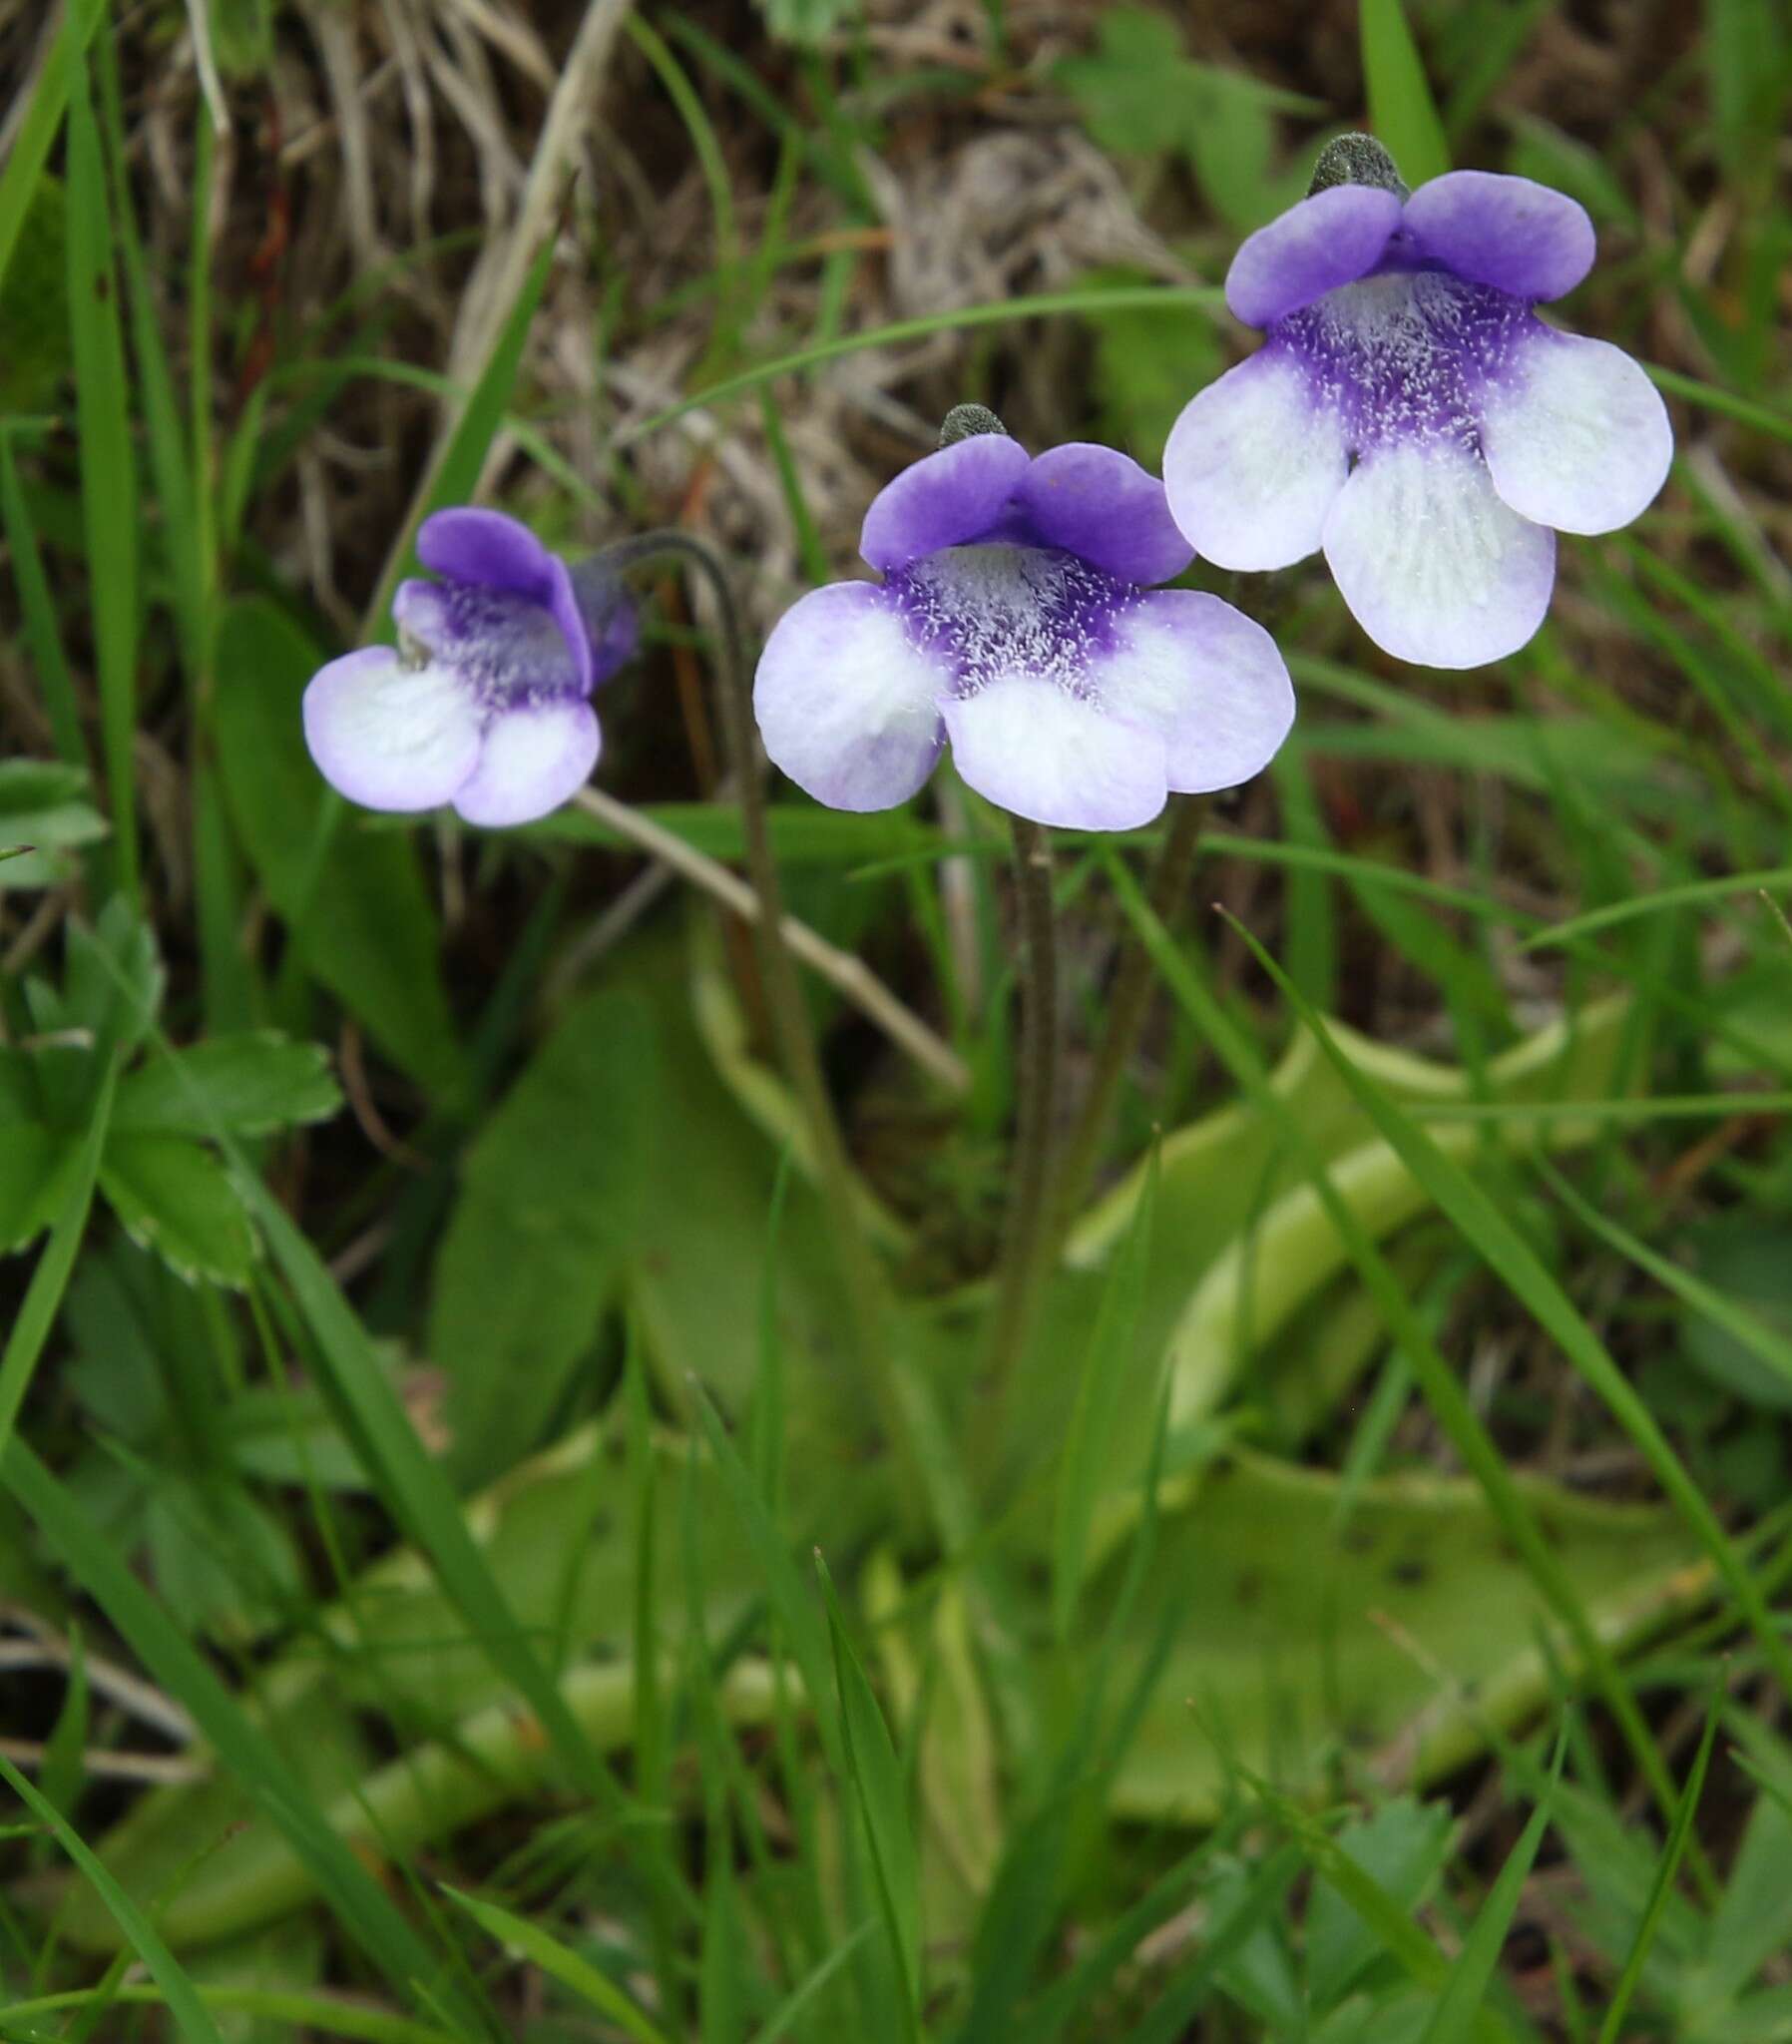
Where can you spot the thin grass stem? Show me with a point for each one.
(1030, 1206)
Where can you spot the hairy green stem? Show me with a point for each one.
(1128, 1000)
(863, 1277)
(1024, 1260)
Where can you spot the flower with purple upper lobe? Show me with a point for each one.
(1014, 618)
(485, 701)
(1411, 414)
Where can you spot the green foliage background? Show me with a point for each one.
(456, 1578)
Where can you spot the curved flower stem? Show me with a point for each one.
(861, 1276)
(1127, 1003)
(1023, 1259)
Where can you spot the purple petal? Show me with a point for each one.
(1575, 435)
(506, 645)
(470, 545)
(848, 705)
(942, 500)
(1435, 568)
(1037, 749)
(391, 737)
(1206, 678)
(1254, 463)
(535, 755)
(1100, 504)
(1329, 239)
(484, 549)
(1510, 233)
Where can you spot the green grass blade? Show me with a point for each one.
(108, 465)
(1401, 109)
(37, 1314)
(1517, 1264)
(1764, 418)
(328, 2016)
(1754, 1334)
(1679, 1837)
(783, 2018)
(162, 425)
(1049, 305)
(36, 135)
(1188, 1992)
(37, 610)
(93, 1557)
(882, 1786)
(579, 1976)
(1461, 2005)
(1690, 893)
(183, 2004)
(453, 472)
(1086, 1470)
(415, 1486)
(802, 1625)
(1442, 1391)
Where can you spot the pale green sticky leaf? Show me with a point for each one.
(1490, 1231)
(1283, 1648)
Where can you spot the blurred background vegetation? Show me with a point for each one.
(418, 1296)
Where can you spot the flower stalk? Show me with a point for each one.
(861, 1277)
(1025, 1251)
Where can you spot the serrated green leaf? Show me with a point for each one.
(175, 1198)
(1400, 1848)
(72, 1189)
(250, 1083)
(35, 1163)
(1133, 91)
(114, 978)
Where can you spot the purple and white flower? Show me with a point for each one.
(1016, 618)
(485, 702)
(1410, 414)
